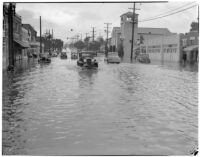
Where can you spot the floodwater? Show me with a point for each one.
(119, 109)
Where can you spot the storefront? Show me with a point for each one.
(19, 46)
(192, 53)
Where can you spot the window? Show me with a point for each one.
(184, 42)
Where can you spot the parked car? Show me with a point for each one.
(143, 58)
(44, 58)
(113, 58)
(63, 55)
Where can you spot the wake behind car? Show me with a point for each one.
(113, 58)
(87, 60)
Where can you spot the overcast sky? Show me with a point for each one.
(81, 17)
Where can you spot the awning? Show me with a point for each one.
(22, 44)
(191, 48)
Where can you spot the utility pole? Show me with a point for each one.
(10, 35)
(49, 41)
(198, 18)
(52, 41)
(133, 22)
(40, 36)
(107, 31)
(93, 34)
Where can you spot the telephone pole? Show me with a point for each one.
(93, 34)
(198, 18)
(107, 31)
(40, 36)
(133, 22)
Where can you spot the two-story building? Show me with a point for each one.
(18, 44)
(123, 35)
(34, 44)
(190, 46)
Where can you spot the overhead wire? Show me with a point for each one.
(169, 14)
(169, 11)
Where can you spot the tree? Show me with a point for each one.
(79, 45)
(94, 45)
(194, 26)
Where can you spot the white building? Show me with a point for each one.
(126, 33)
(159, 43)
(163, 48)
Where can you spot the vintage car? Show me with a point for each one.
(54, 54)
(143, 58)
(63, 55)
(113, 58)
(44, 58)
(74, 55)
(87, 59)
(35, 55)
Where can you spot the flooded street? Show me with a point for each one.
(118, 109)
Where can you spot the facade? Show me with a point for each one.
(5, 59)
(25, 39)
(190, 46)
(165, 48)
(126, 33)
(123, 35)
(115, 38)
(34, 48)
(18, 44)
(146, 33)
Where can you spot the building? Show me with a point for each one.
(5, 59)
(115, 38)
(166, 48)
(146, 33)
(18, 44)
(126, 33)
(32, 36)
(190, 46)
(25, 39)
(159, 43)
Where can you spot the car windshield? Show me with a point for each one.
(113, 54)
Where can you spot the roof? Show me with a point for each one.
(148, 30)
(22, 44)
(28, 26)
(191, 48)
(128, 13)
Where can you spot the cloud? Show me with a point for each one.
(82, 16)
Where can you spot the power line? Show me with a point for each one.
(169, 14)
(169, 11)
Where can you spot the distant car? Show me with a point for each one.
(54, 54)
(74, 55)
(143, 58)
(113, 58)
(44, 58)
(63, 55)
